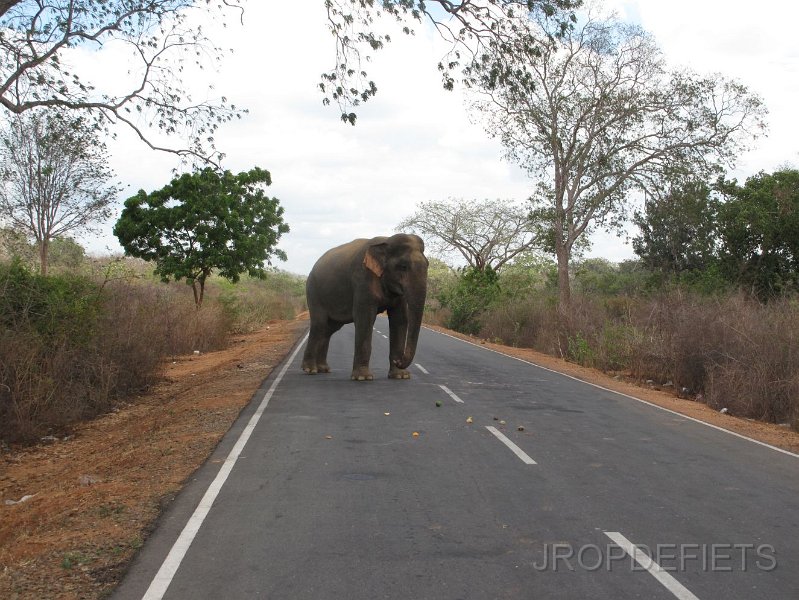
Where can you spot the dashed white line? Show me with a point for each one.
(422, 369)
(648, 563)
(525, 458)
(450, 393)
(171, 563)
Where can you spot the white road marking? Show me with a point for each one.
(422, 369)
(450, 393)
(648, 563)
(513, 447)
(668, 410)
(170, 565)
(384, 335)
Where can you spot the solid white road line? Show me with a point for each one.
(422, 369)
(648, 563)
(170, 565)
(513, 447)
(450, 393)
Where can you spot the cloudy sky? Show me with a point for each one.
(414, 141)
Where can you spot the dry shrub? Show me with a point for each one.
(676, 339)
(755, 373)
(253, 302)
(143, 323)
(71, 348)
(527, 323)
(45, 387)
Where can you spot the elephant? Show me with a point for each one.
(355, 282)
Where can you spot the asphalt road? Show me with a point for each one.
(555, 489)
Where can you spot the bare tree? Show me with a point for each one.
(600, 115)
(487, 233)
(54, 178)
(471, 27)
(163, 40)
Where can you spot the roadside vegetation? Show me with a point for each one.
(90, 335)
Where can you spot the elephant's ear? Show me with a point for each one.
(375, 258)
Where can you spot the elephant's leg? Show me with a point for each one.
(398, 334)
(317, 339)
(363, 346)
(321, 357)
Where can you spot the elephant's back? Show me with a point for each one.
(332, 274)
(344, 258)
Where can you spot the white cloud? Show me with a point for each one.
(414, 142)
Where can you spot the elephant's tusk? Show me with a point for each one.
(407, 328)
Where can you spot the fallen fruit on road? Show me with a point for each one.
(438, 402)
(415, 434)
(468, 419)
(520, 428)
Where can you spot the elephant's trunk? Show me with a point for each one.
(414, 311)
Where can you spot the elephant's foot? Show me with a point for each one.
(362, 374)
(312, 368)
(396, 373)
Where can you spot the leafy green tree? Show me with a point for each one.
(55, 177)
(474, 28)
(475, 290)
(158, 43)
(596, 115)
(65, 252)
(759, 229)
(599, 277)
(530, 273)
(205, 221)
(678, 232)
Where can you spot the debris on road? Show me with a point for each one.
(468, 419)
(415, 434)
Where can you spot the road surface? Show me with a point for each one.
(521, 483)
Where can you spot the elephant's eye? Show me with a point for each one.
(402, 266)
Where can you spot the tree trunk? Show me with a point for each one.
(43, 248)
(564, 286)
(198, 287)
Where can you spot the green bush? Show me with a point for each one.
(473, 293)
